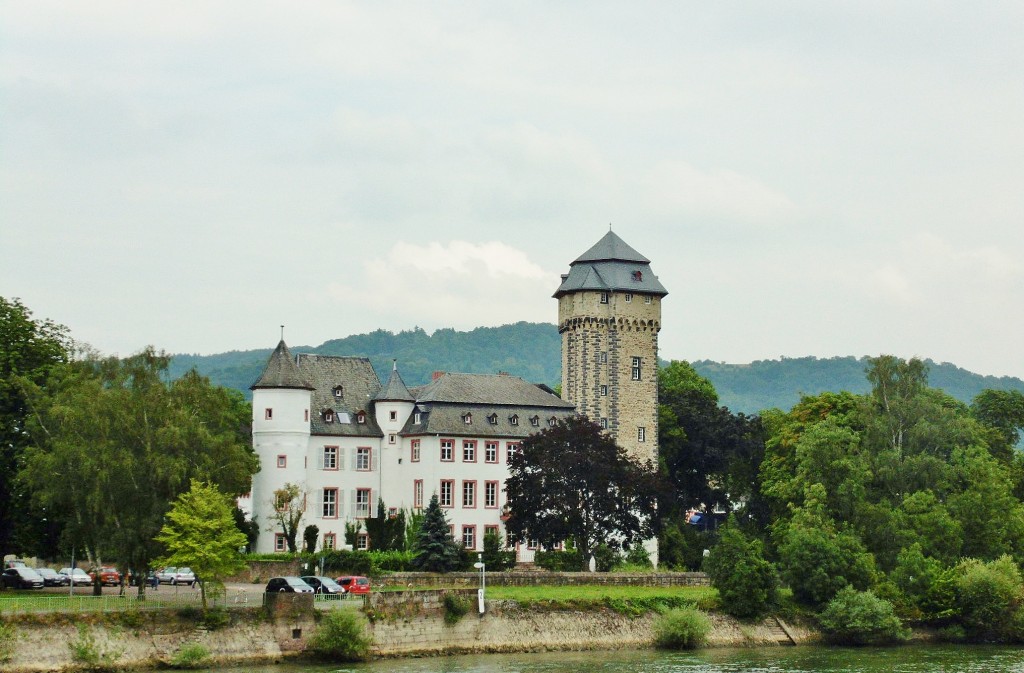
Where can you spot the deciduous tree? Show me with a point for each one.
(29, 349)
(572, 482)
(200, 533)
(289, 503)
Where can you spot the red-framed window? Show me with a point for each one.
(510, 450)
(491, 494)
(492, 529)
(469, 494)
(282, 460)
(330, 541)
(329, 506)
(469, 537)
(490, 452)
(363, 459)
(447, 493)
(363, 541)
(414, 449)
(280, 543)
(469, 451)
(447, 450)
(363, 502)
(417, 494)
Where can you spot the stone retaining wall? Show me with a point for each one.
(261, 571)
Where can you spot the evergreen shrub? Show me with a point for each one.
(682, 629)
(861, 618)
(340, 636)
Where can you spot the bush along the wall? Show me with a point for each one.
(340, 636)
(682, 629)
(455, 608)
(861, 618)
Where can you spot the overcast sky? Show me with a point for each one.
(807, 177)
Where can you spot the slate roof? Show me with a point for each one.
(488, 389)
(395, 390)
(359, 384)
(281, 372)
(611, 265)
(449, 419)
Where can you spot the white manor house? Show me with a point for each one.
(328, 425)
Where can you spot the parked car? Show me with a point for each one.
(15, 563)
(293, 585)
(324, 585)
(175, 576)
(22, 578)
(108, 576)
(357, 585)
(52, 578)
(76, 575)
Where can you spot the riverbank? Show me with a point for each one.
(401, 624)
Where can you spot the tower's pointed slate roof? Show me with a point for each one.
(612, 248)
(611, 265)
(395, 389)
(281, 371)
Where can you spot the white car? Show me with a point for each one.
(174, 576)
(76, 575)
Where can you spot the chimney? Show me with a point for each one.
(503, 374)
(436, 375)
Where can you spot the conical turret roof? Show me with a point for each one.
(395, 389)
(281, 371)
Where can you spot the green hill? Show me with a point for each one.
(533, 351)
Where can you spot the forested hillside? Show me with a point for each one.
(533, 351)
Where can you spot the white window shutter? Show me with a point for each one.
(320, 460)
(320, 505)
(341, 504)
(341, 458)
(355, 459)
(373, 503)
(373, 460)
(354, 510)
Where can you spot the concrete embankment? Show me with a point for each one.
(402, 624)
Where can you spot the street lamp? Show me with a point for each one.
(483, 582)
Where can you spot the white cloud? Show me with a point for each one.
(458, 284)
(676, 188)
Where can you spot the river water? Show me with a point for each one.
(909, 659)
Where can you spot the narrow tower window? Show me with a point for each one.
(636, 369)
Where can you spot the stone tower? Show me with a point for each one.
(609, 315)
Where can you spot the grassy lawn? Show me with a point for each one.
(592, 592)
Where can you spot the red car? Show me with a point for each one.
(354, 584)
(108, 576)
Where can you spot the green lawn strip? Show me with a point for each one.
(629, 600)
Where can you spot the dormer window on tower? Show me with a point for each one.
(638, 276)
(552, 421)
(339, 392)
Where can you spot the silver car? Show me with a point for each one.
(76, 576)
